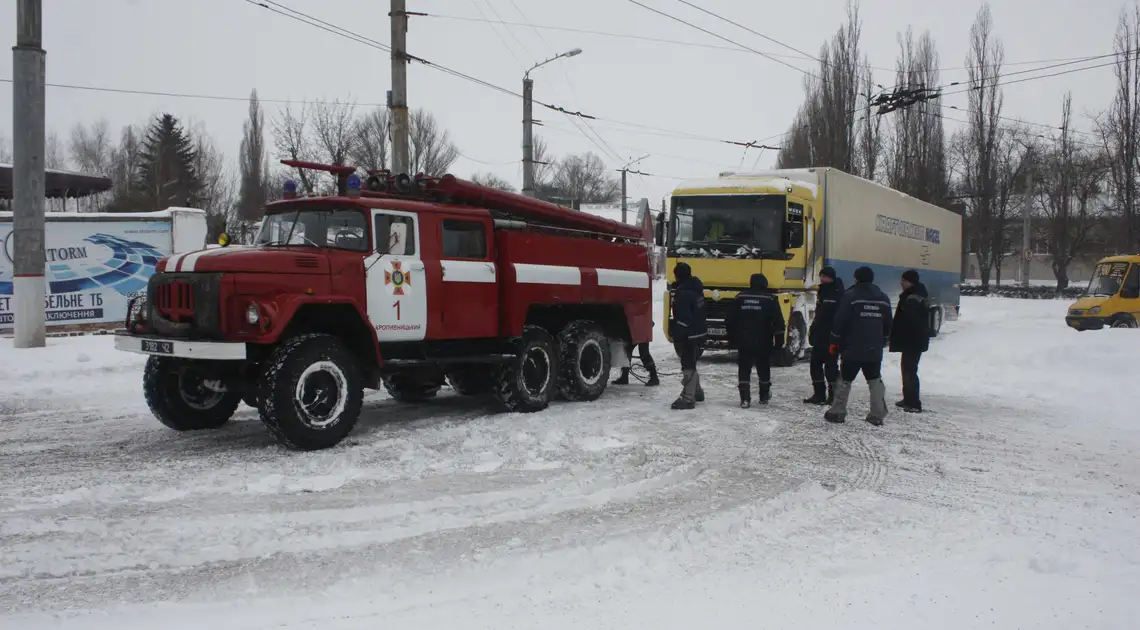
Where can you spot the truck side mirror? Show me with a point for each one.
(661, 229)
(793, 235)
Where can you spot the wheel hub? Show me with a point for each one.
(198, 393)
(536, 371)
(321, 394)
(590, 362)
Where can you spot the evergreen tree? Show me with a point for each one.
(166, 175)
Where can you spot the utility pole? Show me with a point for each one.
(398, 98)
(624, 172)
(28, 67)
(1027, 220)
(528, 136)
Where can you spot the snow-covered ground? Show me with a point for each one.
(1013, 503)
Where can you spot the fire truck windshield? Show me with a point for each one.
(727, 223)
(333, 228)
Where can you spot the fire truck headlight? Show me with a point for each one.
(252, 314)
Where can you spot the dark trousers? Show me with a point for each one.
(910, 377)
(749, 358)
(871, 370)
(687, 352)
(690, 379)
(824, 365)
(646, 358)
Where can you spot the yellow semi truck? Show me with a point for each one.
(789, 224)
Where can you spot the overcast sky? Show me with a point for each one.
(228, 47)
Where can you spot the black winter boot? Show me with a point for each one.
(765, 393)
(624, 378)
(653, 381)
(820, 395)
(745, 395)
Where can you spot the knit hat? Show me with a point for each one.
(758, 281)
(911, 276)
(682, 271)
(828, 271)
(864, 274)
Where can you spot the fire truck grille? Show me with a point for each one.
(175, 301)
(185, 304)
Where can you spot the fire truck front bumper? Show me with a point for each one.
(154, 345)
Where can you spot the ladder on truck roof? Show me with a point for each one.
(506, 206)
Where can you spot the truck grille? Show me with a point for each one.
(185, 304)
(716, 310)
(175, 301)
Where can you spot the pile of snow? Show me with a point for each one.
(1013, 503)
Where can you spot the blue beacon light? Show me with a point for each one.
(290, 189)
(353, 185)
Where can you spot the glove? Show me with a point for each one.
(833, 348)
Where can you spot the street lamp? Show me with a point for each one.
(528, 121)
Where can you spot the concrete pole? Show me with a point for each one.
(28, 67)
(1027, 224)
(624, 206)
(401, 162)
(528, 137)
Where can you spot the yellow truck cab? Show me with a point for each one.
(1113, 297)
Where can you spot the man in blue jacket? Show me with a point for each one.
(755, 324)
(824, 364)
(861, 331)
(687, 329)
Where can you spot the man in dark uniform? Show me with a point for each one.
(824, 364)
(756, 326)
(911, 337)
(687, 329)
(861, 331)
(646, 360)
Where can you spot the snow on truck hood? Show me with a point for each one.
(238, 258)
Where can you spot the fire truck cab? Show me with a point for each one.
(401, 283)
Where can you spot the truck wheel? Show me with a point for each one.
(409, 389)
(794, 345)
(471, 381)
(311, 393)
(527, 383)
(183, 398)
(584, 361)
(936, 319)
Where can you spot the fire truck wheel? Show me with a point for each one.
(407, 389)
(471, 381)
(183, 398)
(528, 382)
(311, 392)
(585, 361)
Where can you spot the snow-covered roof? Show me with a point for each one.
(58, 183)
(749, 180)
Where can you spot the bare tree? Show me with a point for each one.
(334, 131)
(252, 165)
(91, 148)
(916, 163)
(870, 140)
(218, 192)
(432, 151)
(1072, 178)
(1119, 129)
(55, 157)
(543, 162)
(124, 163)
(584, 179)
(5, 149)
(292, 141)
(824, 130)
(373, 133)
(1012, 159)
(979, 142)
(492, 180)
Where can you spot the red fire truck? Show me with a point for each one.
(396, 282)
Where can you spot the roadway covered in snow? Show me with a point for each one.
(1013, 503)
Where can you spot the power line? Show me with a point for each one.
(738, 45)
(1038, 69)
(741, 26)
(206, 97)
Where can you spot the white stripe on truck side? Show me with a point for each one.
(191, 259)
(547, 274)
(468, 271)
(621, 278)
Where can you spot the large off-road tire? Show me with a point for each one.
(311, 392)
(410, 388)
(584, 361)
(528, 382)
(473, 381)
(794, 342)
(176, 392)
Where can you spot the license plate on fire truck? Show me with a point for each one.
(157, 347)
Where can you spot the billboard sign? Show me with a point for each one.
(93, 268)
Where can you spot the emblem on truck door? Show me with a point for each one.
(397, 277)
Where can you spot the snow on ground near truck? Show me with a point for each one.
(1014, 503)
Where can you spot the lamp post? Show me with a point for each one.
(528, 121)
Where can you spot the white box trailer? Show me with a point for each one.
(96, 262)
(868, 224)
